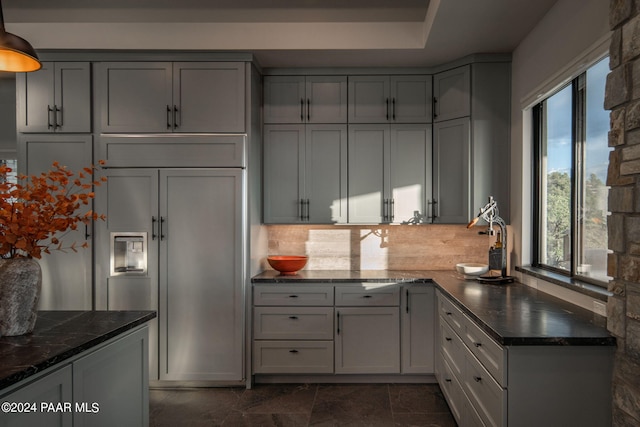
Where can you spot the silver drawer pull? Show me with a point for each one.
(293, 317)
(477, 379)
(293, 351)
(477, 344)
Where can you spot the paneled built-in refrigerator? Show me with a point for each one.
(173, 242)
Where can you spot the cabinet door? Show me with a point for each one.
(115, 379)
(201, 275)
(452, 94)
(368, 173)
(451, 146)
(135, 96)
(367, 340)
(72, 97)
(325, 172)
(410, 167)
(369, 99)
(411, 99)
(66, 276)
(129, 198)
(52, 389)
(326, 99)
(284, 99)
(283, 175)
(208, 97)
(36, 99)
(418, 329)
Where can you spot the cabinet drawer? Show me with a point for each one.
(293, 357)
(285, 323)
(486, 395)
(301, 295)
(451, 314)
(488, 352)
(381, 295)
(452, 348)
(452, 390)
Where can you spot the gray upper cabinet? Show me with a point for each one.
(56, 98)
(452, 94)
(389, 172)
(305, 99)
(471, 140)
(305, 169)
(159, 97)
(390, 99)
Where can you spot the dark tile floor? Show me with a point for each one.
(302, 405)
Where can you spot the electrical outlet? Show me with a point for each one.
(600, 308)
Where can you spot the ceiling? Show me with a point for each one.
(285, 33)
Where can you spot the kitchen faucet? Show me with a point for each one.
(490, 214)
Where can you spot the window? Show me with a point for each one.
(572, 157)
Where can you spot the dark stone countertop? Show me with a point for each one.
(513, 314)
(60, 335)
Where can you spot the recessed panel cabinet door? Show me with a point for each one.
(66, 275)
(201, 275)
(452, 94)
(410, 99)
(284, 99)
(283, 174)
(418, 320)
(135, 96)
(326, 99)
(451, 174)
(208, 97)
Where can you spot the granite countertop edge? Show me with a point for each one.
(454, 287)
(45, 355)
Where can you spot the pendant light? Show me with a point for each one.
(16, 54)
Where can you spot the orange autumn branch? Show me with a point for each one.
(38, 207)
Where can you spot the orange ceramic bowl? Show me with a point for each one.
(287, 264)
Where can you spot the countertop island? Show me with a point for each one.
(77, 367)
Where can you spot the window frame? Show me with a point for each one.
(578, 142)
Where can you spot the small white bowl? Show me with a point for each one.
(471, 268)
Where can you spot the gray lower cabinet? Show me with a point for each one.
(66, 275)
(56, 98)
(305, 173)
(150, 97)
(107, 386)
(389, 172)
(487, 384)
(189, 225)
(338, 328)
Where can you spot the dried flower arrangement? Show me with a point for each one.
(38, 207)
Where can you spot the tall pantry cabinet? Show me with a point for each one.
(53, 112)
(176, 203)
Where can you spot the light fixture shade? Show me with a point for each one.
(16, 54)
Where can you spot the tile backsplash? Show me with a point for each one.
(380, 247)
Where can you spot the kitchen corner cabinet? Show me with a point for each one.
(160, 97)
(66, 275)
(471, 148)
(305, 99)
(389, 172)
(56, 98)
(305, 174)
(417, 321)
(189, 222)
(452, 94)
(390, 99)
